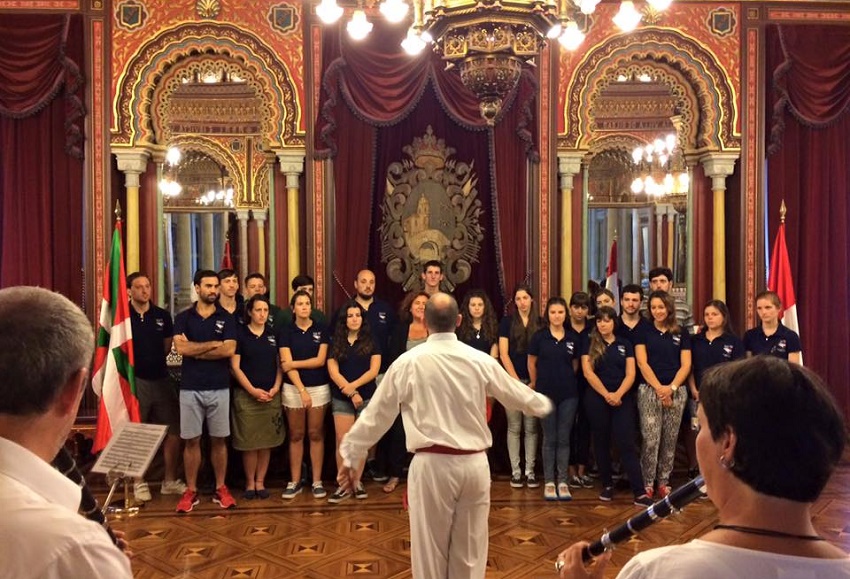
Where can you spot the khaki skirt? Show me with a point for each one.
(255, 425)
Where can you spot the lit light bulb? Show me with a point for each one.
(572, 37)
(637, 185)
(554, 31)
(173, 156)
(684, 181)
(359, 26)
(659, 5)
(627, 18)
(394, 10)
(588, 6)
(637, 155)
(671, 142)
(413, 43)
(329, 11)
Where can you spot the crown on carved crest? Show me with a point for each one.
(429, 152)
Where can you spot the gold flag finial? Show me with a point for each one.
(118, 210)
(782, 211)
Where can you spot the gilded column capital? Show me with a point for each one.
(719, 165)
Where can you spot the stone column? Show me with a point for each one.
(260, 216)
(569, 165)
(718, 166)
(184, 259)
(207, 244)
(132, 162)
(292, 165)
(242, 216)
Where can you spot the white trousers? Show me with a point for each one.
(449, 497)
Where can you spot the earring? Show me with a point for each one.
(727, 465)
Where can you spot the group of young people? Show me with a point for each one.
(262, 374)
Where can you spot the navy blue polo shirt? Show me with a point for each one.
(150, 330)
(632, 334)
(480, 342)
(305, 344)
(555, 375)
(197, 374)
(663, 352)
(353, 366)
(705, 354)
(610, 368)
(382, 322)
(783, 342)
(258, 356)
(518, 358)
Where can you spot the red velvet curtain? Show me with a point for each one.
(809, 169)
(41, 166)
(375, 100)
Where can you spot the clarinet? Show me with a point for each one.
(672, 503)
(89, 506)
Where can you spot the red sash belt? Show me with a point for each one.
(440, 449)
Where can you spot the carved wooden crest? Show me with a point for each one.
(430, 211)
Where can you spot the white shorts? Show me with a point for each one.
(321, 395)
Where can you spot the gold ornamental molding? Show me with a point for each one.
(692, 61)
(144, 71)
(430, 211)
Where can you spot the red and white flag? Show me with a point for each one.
(782, 282)
(114, 380)
(611, 280)
(226, 259)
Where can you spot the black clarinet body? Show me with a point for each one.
(89, 507)
(670, 504)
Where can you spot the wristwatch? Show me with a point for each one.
(674, 387)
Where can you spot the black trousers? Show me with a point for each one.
(619, 423)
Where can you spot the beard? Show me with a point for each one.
(364, 297)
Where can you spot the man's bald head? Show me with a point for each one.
(441, 313)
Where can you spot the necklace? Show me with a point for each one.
(768, 532)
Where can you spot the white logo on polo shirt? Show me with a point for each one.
(272, 340)
(621, 350)
(382, 317)
(727, 351)
(677, 339)
(317, 337)
(160, 324)
(219, 326)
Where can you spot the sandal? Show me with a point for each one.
(392, 484)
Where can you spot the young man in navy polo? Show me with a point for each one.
(157, 393)
(205, 335)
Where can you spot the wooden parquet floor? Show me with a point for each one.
(308, 538)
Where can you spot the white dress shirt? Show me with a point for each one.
(441, 389)
(42, 536)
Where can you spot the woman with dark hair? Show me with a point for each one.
(409, 333)
(303, 349)
(478, 325)
(256, 421)
(353, 365)
(580, 306)
(764, 467)
(663, 354)
(605, 297)
(770, 336)
(515, 332)
(714, 344)
(552, 363)
(609, 366)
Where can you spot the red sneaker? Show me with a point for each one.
(663, 491)
(649, 491)
(223, 498)
(187, 501)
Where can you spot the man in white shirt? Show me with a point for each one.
(441, 388)
(46, 345)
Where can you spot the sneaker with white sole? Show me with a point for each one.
(319, 491)
(606, 494)
(550, 493)
(360, 492)
(516, 481)
(338, 496)
(223, 498)
(142, 492)
(564, 493)
(187, 502)
(172, 487)
(292, 489)
(531, 481)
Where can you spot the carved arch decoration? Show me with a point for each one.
(132, 107)
(672, 51)
(200, 64)
(221, 154)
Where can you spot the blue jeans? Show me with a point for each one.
(556, 439)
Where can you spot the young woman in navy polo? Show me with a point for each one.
(552, 363)
(353, 365)
(663, 355)
(771, 337)
(609, 366)
(303, 353)
(256, 421)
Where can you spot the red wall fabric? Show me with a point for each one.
(810, 171)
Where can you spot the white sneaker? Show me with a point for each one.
(141, 492)
(173, 487)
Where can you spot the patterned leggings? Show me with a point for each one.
(659, 427)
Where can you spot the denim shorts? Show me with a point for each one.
(345, 407)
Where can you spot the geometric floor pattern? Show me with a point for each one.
(307, 538)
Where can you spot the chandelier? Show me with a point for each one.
(660, 167)
(488, 41)
(168, 185)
